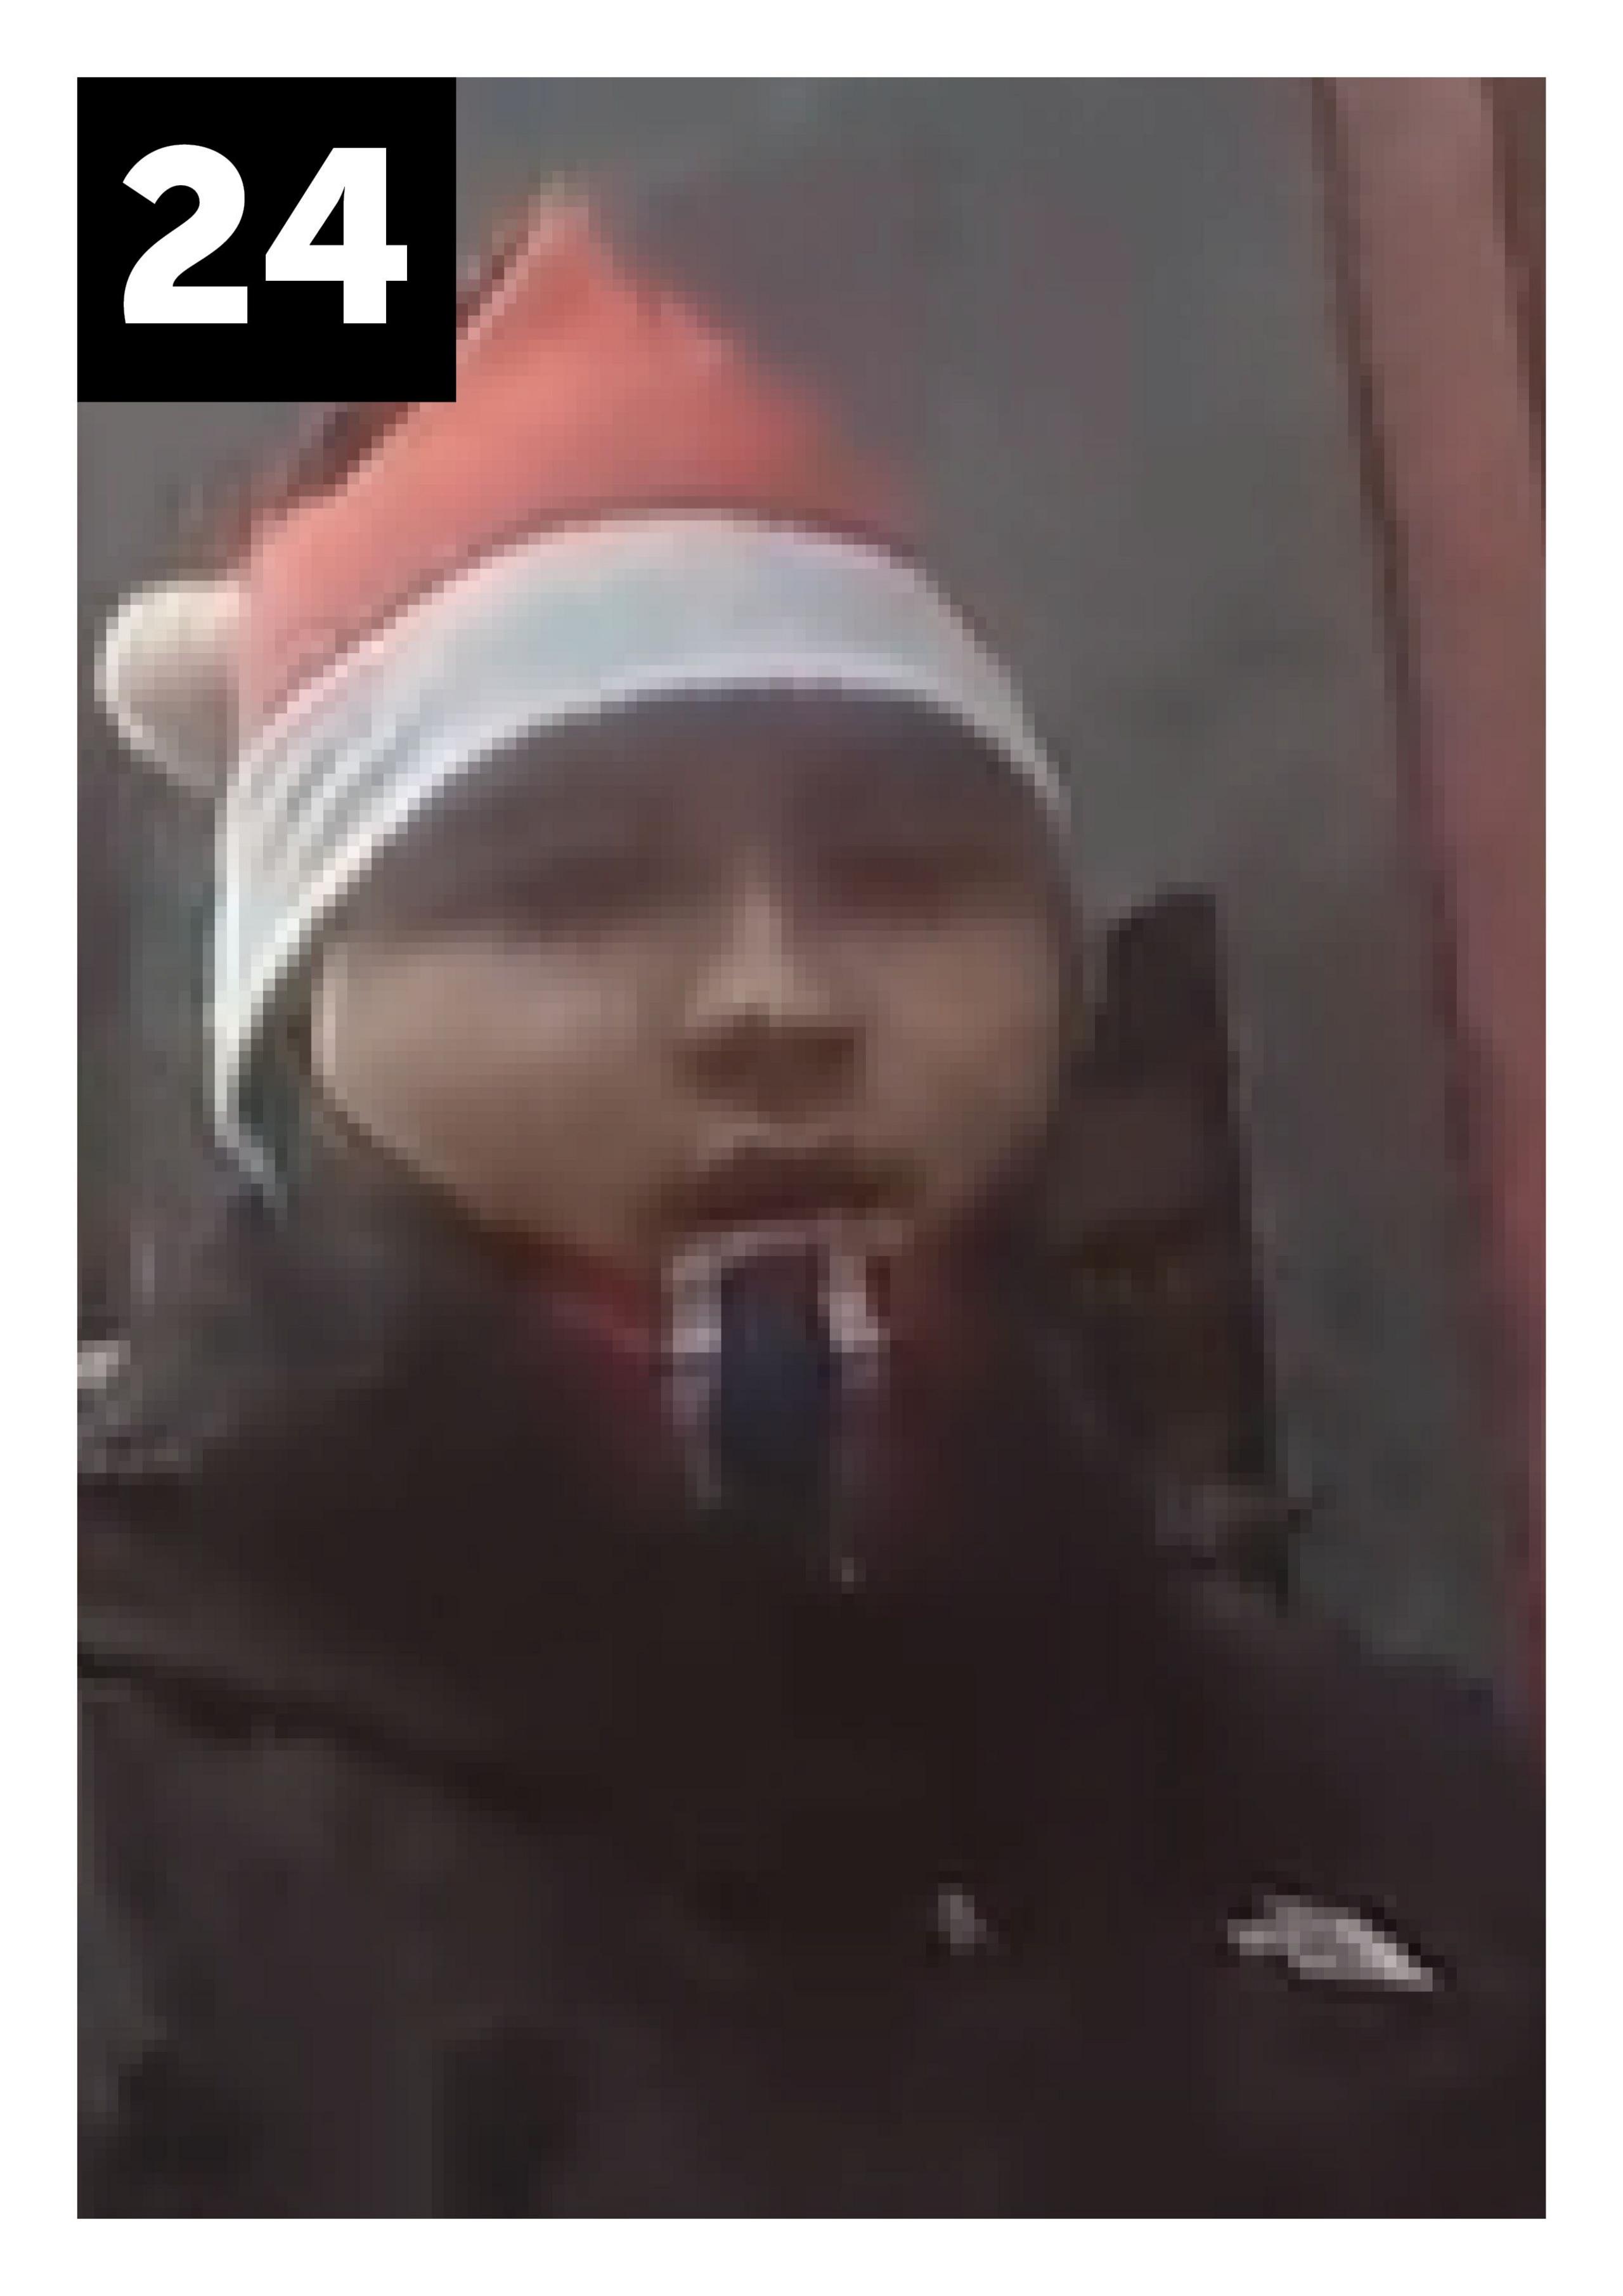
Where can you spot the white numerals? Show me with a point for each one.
(151, 294)
(363, 261)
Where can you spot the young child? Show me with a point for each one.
(656, 1695)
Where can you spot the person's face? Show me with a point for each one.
(708, 969)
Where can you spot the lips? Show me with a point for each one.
(767, 1189)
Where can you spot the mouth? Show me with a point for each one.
(765, 1199)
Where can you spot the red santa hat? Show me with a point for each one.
(619, 507)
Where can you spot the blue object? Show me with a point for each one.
(774, 1405)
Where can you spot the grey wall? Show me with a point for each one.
(1090, 321)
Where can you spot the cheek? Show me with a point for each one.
(517, 1080)
(967, 1047)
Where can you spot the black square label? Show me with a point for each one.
(254, 239)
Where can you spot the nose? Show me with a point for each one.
(764, 1026)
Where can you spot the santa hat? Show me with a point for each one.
(619, 507)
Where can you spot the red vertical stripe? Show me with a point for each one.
(1417, 211)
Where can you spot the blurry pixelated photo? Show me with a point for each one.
(811, 1184)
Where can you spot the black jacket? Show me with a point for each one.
(460, 1841)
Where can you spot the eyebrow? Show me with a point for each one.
(941, 795)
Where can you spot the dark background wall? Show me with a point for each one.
(1091, 321)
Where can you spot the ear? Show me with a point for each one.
(167, 677)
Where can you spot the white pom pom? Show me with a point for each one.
(167, 677)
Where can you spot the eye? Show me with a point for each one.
(899, 878)
(569, 892)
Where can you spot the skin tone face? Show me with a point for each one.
(693, 971)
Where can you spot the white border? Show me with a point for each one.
(1585, 1264)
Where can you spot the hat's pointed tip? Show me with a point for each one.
(556, 256)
